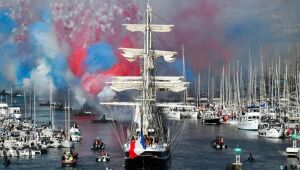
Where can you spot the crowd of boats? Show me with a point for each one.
(21, 137)
(267, 122)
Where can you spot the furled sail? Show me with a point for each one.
(174, 84)
(132, 53)
(153, 27)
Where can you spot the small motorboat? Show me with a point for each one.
(69, 159)
(69, 163)
(98, 145)
(104, 157)
(103, 120)
(218, 143)
(250, 158)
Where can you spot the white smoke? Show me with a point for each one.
(40, 79)
(80, 95)
(106, 94)
(47, 41)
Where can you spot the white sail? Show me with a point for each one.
(137, 115)
(153, 27)
(132, 53)
(174, 84)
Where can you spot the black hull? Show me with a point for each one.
(101, 121)
(149, 160)
(215, 121)
(69, 164)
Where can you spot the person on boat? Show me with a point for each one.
(216, 142)
(250, 158)
(68, 157)
(147, 140)
(104, 154)
(97, 143)
(221, 142)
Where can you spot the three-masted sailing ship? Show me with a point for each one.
(148, 143)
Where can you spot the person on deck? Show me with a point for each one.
(221, 142)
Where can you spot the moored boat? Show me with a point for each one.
(249, 120)
(69, 159)
(209, 117)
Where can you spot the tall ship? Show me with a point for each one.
(148, 142)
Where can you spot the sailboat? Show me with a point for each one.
(185, 109)
(69, 158)
(148, 143)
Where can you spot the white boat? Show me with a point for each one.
(249, 120)
(3, 110)
(15, 112)
(54, 143)
(75, 134)
(178, 110)
(67, 144)
(209, 117)
(271, 129)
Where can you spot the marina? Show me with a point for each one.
(249, 141)
(137, 85)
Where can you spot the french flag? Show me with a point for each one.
(137, 147)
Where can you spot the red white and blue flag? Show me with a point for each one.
(137, 147)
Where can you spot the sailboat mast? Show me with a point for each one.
(183, 73)
(34, 109)
(68, 131)
(50, 104)
(25, 105)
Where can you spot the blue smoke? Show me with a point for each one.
(249, 29)
(58, 63)
(58, 72)
(174, 69)
(177, 65)
(7, 25)
(100, 57)
(23, 71)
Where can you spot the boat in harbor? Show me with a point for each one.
(179, 111)
(15, 111)
(3, 110)
(271, 129)
(209, 117)
(218, 143)
(103, 119)
(98, 145)
(147, 143)
(250, 119)
(69, 159)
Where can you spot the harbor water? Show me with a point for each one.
(193, 150)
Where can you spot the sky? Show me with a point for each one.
(74, 43)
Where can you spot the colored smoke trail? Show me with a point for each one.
(68, 44)
(74, 43)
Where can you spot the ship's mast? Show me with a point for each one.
(148, 70)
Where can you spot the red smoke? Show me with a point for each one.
(94, 83)
(79, 37)
(76, 59)
(201, 31)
